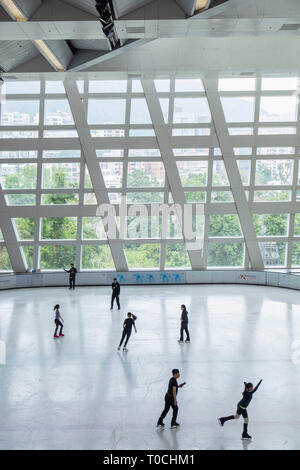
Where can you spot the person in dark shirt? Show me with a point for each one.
(184, 325)
(115, 293)
(72, 271)
(127, 327)
(171, 400)
(242, 408)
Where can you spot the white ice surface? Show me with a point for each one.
(79, 392)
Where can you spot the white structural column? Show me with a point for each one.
(164, 143)
(92, 162)
(10, 237)
(235, 181)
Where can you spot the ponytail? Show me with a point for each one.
(56, 307)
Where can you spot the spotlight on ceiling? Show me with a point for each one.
(107, 17)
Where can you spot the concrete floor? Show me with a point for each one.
(79, 392)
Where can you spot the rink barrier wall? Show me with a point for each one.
(57, 279)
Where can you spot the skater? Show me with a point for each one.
(171, 400)
(242, 408)
(58, 322)
(72, 271)
(184, 325)
(115, 293)
(127, 327)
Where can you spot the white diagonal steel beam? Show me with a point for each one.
(10, 238)
(235, 181)
(92, 162)
(163, 140)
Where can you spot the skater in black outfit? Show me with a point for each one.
(115, 293)
(58, 322)
(171, 400)
(127, 327)
(242, 408)
(184, 325)
(72, 271)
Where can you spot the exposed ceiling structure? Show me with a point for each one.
(52, 36)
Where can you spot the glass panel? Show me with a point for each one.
(24, 228)
(19, 113)
(5, 264)
(92, 228)
(268, 196)
(242, 151)
(145, 174)
(80, 85)
(142, 256)
(276, 130)
(141, 133)
(18, 176)
(240, 130)
(18, 134)
(225, 254)
(275, 150)
(191, 110)
(162, 85)
(226, 225)
(164, 104)
(270, 224)
(90, 198)
(96, 257)
(61, 153)
(244, 167)
(219, 177)
(137, 86)
(143, 153)
(19, 154)
(115, 153)
(277, 172)
(60, 175)
(221, 196)
(273, 253)
(54, 87)
(237, 84)
(278, 108)
(21, 87)
(193, 173)
(295, 254)
(139, 113)
(60, 134)
(107, 132)
(297, 225)
(112, 174)
(57, 256)
(194, 84)
(59, 198)
(144, 198)
(191, 152)
(106, 111)
(20, 199)
(177, 256)
(57, 113)
(238, 109)
(28, 255)
(195, 196)
(59, 228)
(279, 83)
(191, 131)
(107, 86)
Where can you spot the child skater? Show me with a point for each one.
(184, 325)
(242, 408)
(58, 322)
(127, 327)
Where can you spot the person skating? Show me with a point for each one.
(116, 289)
(171, 400)
(242, 408)
(184, 325)
(127, 327)
(72, 271)
(58, 322)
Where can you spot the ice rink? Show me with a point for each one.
(79, 392)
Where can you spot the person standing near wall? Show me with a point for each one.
(184, 325)
(116, 289)
(72, 275)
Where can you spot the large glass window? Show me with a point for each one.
(106, 111)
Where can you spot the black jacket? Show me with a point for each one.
(184, 317)
(247, 396)
(116, 288)
(71, 271)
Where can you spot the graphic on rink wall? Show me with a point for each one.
(149, 278)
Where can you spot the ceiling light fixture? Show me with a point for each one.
(13, 10)
(48, 54)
